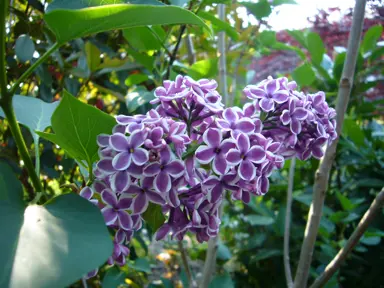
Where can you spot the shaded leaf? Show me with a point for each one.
(223, 252)
(142, 38)
(39, 113)
(257, 220)
(93, 56)
(154, 217)
(113, 278)
(24, 48)
(140, 264)
(138, 98)
(221, 281)
(265, 254)
(135, 79)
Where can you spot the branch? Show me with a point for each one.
(184, 258)
(190, 49)
(33, 67)
(287, 268)
(210, 259)
(222, 57)
(368, 217)
(322, 174)
(3, 72)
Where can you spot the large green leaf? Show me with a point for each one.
(24, 48)
(304, 75)
(76, 126)
(371, 37)
(154, 217)
(219, 25)
(48, 246)
(33, 113)
(315, 47)
(92, 20)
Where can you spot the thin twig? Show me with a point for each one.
(322, 173)
(222, 57)
(287, 267)
(334, 265)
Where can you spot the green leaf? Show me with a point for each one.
(142, 58)
(370, 241)
(93, 56)
(353, 131)
(222, 281)
(204, 68)
(257, 220)
(76, 126)
(138, 98)
(38, 117)
(371, 37)
(24, 48)
(220, 25)
(256, 241)
(180, 3)
(281, 2)
(315, 47)
(113, 278)
(345, 202)
(223, 252)
(265, 254)
(268, 38)
(47, 246)
(166, 282)
(282, 46)
(93, 20)
(304, 75)
(141, 38)
(299, 36)
(140, 264)
(135, 79)
(154, 217)
(260, 9)
(81, 4)
(338, 66)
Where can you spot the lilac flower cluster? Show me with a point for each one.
(185, 154)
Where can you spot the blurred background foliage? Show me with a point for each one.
(117, 71)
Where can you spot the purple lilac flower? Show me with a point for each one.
(163, 170)
(294, 116)
(231, 122)
(115, 209)
(215, 150)
(128, 150)
(245, 157)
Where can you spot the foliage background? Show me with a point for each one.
(117, 71)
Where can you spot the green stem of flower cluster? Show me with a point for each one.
(6, 97)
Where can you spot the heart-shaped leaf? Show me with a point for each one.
(39, 114)
(97, 19)
(76, 127)
(48, 246)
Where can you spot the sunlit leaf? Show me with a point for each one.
(47, 246)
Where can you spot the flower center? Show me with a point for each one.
(217, 150)
(131, 150)
(242, 156)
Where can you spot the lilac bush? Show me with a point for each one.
(190, 150)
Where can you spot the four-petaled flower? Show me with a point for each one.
(267, 94)
(215, 150)
(232, 122)
(294, 116)
(143, 195)
(115, 210)
(129, 150)
(246, 157)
